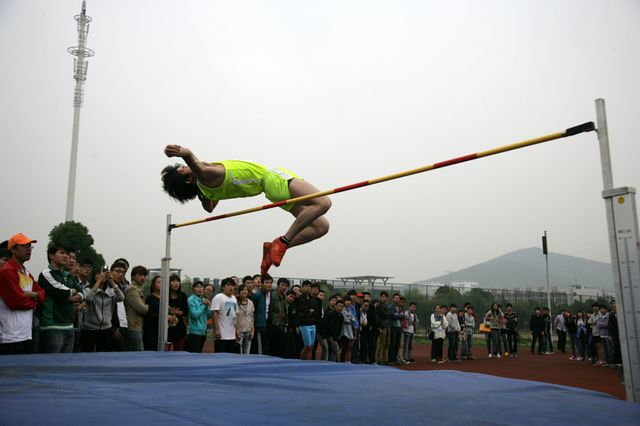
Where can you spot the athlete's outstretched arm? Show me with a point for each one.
(204, 172)
(207, 204)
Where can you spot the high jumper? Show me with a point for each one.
(227, 179)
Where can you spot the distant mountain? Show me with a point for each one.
(526, 268)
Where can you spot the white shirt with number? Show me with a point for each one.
(228, 308)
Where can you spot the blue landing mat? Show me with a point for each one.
(177, 388)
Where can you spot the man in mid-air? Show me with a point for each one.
(221, 180)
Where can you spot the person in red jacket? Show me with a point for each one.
(19, 295)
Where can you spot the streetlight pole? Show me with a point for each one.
(545, 251)
(81, 51)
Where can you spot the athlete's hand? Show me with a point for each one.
(176, 151)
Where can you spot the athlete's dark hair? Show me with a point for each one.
(175, 184)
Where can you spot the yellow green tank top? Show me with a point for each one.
(242, 179)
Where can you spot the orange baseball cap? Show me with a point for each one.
(19, 239)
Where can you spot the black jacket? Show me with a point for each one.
(570, 323)
(512, 321)
(382, 315)
(307, 308)
(537, 324)
(332, 324)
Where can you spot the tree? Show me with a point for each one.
(480, 299)
(76, 236)
(447, 295)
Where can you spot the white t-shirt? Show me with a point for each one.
(228, 308)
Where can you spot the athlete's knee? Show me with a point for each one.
(324, 203)
(322, 226)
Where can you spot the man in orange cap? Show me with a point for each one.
(19, 295)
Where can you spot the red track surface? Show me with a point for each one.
(555, 368)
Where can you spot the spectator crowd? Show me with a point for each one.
(592, 336)
(73, 308)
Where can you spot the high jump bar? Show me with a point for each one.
(572, 131)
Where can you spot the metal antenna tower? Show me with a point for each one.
(81, 51)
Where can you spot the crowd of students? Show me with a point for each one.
(70, 309)
(251, 316)
(593, 336)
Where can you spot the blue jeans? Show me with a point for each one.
(582, 346)
(57, 341)
(466, 345)
(512, 341)
(408, 346)
(135, 340)
(573, 341)
(494, 341)
(334, 349)
(324, 348)
(607, 350)
(245, 342)
(453, 346)
(548, 345)
(394, 343)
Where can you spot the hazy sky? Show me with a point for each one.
(338, 91)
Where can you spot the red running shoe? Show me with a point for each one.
(266, 258)
(278, 248)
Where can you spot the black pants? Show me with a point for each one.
(562, 340)
(265, 340)
(394, 343)
(355, 349)
(617, 356)
(195, 342)
(452, 351)
(17, 348)
(537, 335)
(226, 346)
(121, 344)
(436, 349)
(344, 348)
(364, 347)
(277, 342)
(373, 345)
(315, 346)
(254, 344)
(512, 341)
(97, 340)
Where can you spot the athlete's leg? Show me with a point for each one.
(317, 229)
(309, 224)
